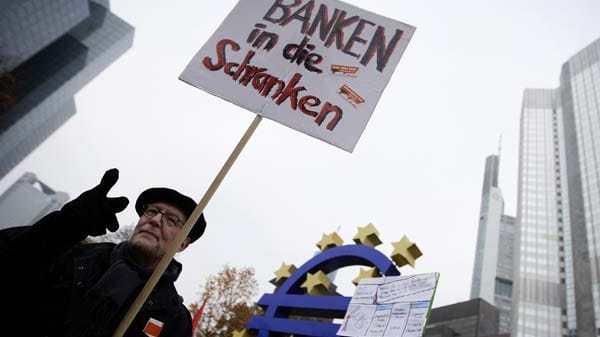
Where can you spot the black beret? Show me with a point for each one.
(184, 203)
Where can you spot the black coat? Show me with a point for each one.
(85, 290)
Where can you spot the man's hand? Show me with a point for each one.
(92, 213)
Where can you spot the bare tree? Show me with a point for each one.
(229, 305)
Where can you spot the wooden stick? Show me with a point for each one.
(183, 233)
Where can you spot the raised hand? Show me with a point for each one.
(93, 212)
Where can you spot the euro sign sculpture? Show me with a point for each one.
(291, 299)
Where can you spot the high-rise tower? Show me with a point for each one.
(27, 201)
(48, 51)
(557, 289)
(492, 271)
(542, 204)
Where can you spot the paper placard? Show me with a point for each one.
(318, 67)
(393, 306)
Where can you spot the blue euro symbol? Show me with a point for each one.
(290, 299)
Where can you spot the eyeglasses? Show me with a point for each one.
(166, 219)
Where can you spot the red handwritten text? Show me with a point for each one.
(268, 85)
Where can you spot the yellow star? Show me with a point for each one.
(283, 273)
(317, 283)
(330, 241)
(241, 333)
(366, 273)
(368, 236)
(405, 252)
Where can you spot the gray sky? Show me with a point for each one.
(417, 169)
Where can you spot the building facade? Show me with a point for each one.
(473, 318)
(28, 200)
(48, 51)
(557, 279)
(493, 268)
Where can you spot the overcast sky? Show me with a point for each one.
(417, 169)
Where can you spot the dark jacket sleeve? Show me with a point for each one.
(37, 244)
(183, 327)
(26, 254)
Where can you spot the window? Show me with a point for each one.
(503, 287)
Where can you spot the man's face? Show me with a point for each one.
(155, 231)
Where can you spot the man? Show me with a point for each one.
(55, 285)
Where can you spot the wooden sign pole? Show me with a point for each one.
(183, 233)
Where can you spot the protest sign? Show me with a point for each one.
(392, 306)
(318, 67)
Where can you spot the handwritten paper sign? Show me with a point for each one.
(318, 67)
(393, 306)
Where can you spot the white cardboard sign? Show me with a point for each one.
(318, 67)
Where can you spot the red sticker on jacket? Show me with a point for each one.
(153, 327)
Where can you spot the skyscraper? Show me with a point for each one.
(557, 289)
(48, 51)
(493, 268)
(27, 200)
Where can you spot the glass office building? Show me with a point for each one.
(493, 268)
(49, 50)
(539, 287)
(557, 283)
(41, 200)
